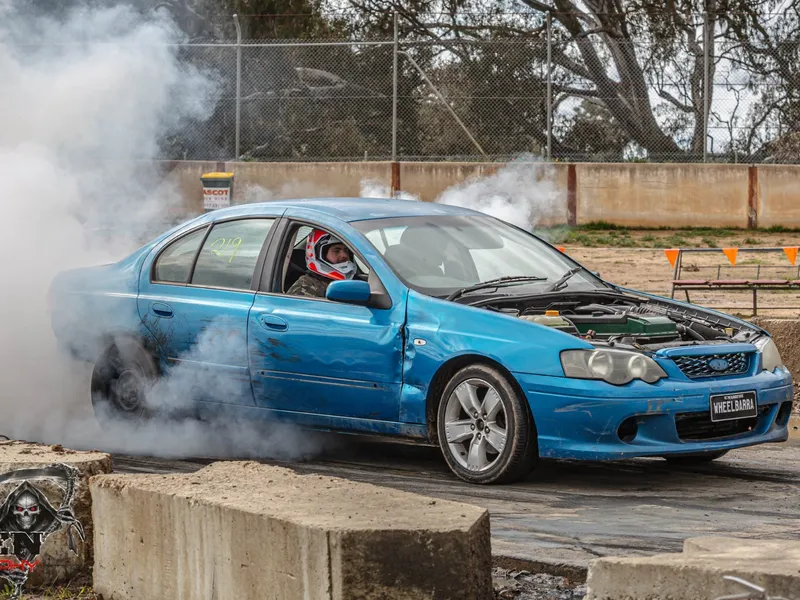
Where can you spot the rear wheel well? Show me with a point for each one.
(446, 372)
(110, 338)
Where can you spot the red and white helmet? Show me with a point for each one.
(316, 248)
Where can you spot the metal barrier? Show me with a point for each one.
(761, 282)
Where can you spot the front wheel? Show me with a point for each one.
(486, 432)
(695, 459)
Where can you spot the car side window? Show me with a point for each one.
(175, 263)
(302, 235)
(229, 255)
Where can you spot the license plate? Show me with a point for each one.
(738, 405)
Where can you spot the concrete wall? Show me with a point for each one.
(645, 195)
(654, 195)
(779, 195)
(429, 181)
(297, 180)
(259, 182)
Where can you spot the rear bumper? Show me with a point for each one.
(579, 419)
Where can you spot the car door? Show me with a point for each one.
(312, 355)
(195, 302)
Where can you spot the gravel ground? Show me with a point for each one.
(508, 585)
(524, 585)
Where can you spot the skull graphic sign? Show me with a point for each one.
(27, 519)
(26, 510)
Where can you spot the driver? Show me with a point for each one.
(327, 259)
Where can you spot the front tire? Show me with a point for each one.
(695, 459)
(121, 380)
(486, 432)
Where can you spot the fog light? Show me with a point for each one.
(628, 429)
(784, 412)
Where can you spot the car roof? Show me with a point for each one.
(350, 209)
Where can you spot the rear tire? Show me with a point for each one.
(486, 432)
(695, 459)
(121, 380)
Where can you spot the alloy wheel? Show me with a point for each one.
(475, 425)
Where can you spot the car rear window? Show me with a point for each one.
(229, 255)
(175, 263)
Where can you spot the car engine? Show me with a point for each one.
(626, 319)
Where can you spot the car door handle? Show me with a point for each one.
(273, 322)
(161, 309)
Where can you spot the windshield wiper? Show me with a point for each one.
(557, 285)
(493, 283)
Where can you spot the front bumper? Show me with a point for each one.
(581, 419)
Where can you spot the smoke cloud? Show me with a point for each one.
(85, 100)
(524, 193)
(372, 188)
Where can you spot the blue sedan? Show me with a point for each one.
(430, 323)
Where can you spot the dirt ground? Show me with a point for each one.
(636, 259)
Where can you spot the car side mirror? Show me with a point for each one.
(351, 291)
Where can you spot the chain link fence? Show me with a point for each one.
(464, 99)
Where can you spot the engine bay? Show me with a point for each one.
(624, 319)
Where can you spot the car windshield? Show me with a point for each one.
(438, 255)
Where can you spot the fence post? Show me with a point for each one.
(238, 85)
(395, 78)
(549, 87)
(706, 83)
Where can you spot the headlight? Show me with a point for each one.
(770, 357)
(614, 366)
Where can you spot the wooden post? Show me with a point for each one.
(572, 196)
(395, 178)
(752, 197)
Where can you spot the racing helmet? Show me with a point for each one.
(317, 246)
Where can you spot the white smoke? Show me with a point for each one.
(373, 188)
(524, 193)
(84, 102)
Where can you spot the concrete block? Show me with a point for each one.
(244, 530)
(57, 563)
(698, 571)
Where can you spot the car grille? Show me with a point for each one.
(698, 426)
(696, 367)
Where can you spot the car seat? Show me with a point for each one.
(414, 255)
(295, 267)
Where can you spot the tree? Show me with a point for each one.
(650, 67)
(297, 102)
